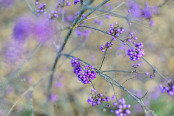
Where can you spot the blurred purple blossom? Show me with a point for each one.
(13, 52)
(53, 97)
(83, 32)
(122, 48)
(149, 11)
(138, 109)
(92, 58)
(1, 114)
(58, 84)
(6, 3)
(43, 30)
(22, 28)
(109, 6)
(108, 16)
(99, 22)
(29, 80)
(76, 1)
(134, 8)
(138, 11)
(155, 94)
(9, 89)
(69, 18)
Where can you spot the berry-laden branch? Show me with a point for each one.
(78, 19)
(76, 62)
(154, 69)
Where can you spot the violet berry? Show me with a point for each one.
(137, 52)
(147, 73)
(84, 76)
(115, 31)
(76, 1)
(169, 88)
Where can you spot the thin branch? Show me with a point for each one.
(78, 46)
(103, 59)
(105, 13)
(77, 20)
(104, 56)
(112, 86)
(18, 101)
(144, 95)
(127, 80)
(155, 70)
(118, 71)
(31, 102)
(93, 28)
(110, 13)
(14, 74)
(29, 89)
(30, 7)
(165, 2)
(92, 84)
(106, 77)
(59, 52)
(61, 26)
(93, 10)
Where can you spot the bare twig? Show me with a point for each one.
(31, 102)
(61, 26)
(103, 59)
(30, 7)
(29, 89)
(127, 80)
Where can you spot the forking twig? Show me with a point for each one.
(76, 21)
(29, 89)
(147, 111)
(154, 69)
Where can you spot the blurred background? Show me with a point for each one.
(28, 48)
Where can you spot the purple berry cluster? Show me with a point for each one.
(107, 45)
(115, 31)
(86, 75)
(76, 1)
(137, 52)
(97, 98)
(41, 7)
(53, 15)
(136, 66)
(36, 2)
(169, 88)
(120, 108)
(131, 38)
